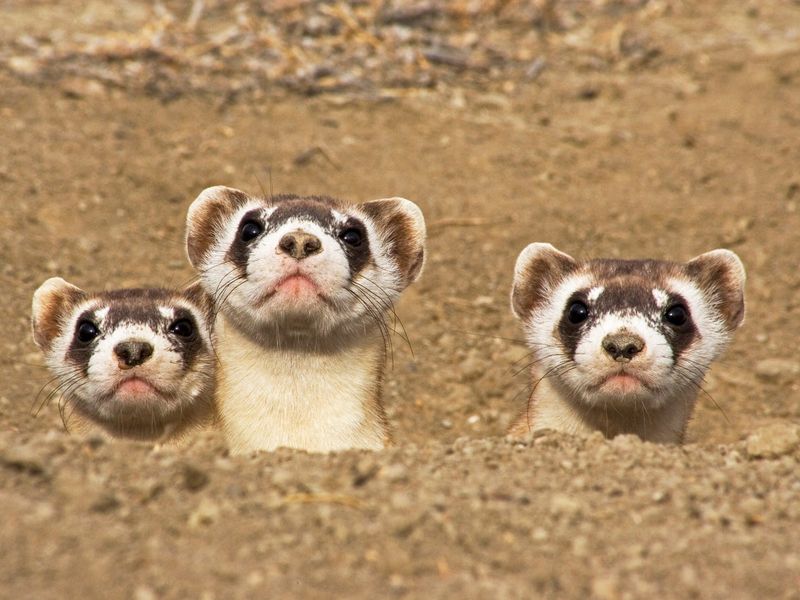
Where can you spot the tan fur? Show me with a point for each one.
(551, 410)
(176, 435)
(318, 401)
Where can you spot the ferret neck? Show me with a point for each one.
(321, 399)
(552, 408)
(285, 339)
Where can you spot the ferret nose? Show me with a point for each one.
(132, 353)
(623, 347)
(299, 244)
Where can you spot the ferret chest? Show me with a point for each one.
(269, 398)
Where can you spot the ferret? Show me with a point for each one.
(130, 363)
(622, 346)
(302, 286)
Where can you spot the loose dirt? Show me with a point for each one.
(662, 130)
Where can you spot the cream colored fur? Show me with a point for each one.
(551, 409)
(318, 401)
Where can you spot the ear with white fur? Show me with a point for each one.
(206, 218)
(538, 269)
(401, 225)
(720, 275)
(51, 302)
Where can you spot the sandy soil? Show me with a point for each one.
(695, 151)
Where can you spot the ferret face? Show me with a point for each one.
(627, 333)
(135, 362)
(303, 266)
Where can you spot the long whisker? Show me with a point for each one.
(388, 304)
(699, 387)
(551, 371)
(380, 322)
(59, 383)
(387, 299)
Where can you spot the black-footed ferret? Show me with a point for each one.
(135, 363)
(622, 346)
(302, 286)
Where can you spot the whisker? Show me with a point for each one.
(387, 345)
(389, 305)
(553, 370)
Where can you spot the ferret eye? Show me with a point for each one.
(182, 328)
(676, 315)
(578, 312)
(87, 331)
(250, 230)
(351, 237)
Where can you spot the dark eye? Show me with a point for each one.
(676, 315)
(250, 230)
(578, 312)
(182, 328)
(351, 237)
(87, 331)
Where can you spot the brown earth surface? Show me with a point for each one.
(606, 149)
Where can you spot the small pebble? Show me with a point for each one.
(79, 87)
(27, 458)
(144, 592)
(23, 65)
(206, 513)
(772, 441)
(194, 479)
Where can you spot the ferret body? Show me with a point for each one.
(622, 346)
(302, 287)
(132, 363)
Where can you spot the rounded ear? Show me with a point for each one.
(198, 295)
(51, 302)
(720, 275)
(206, 218)
(539, 266)
(401, 225)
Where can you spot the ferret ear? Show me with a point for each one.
(206, 218)
(51, 302)
(197, 294)
(720, 275)
(539, 267)
(401, 225)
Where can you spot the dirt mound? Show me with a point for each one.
(477, 518)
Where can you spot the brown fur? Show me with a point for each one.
(206, 222)
(46, 323)
(723, 281)
(532, 286)
(398, 229)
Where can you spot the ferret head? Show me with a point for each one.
(303, 267)
(627, 333)
(137, 362)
